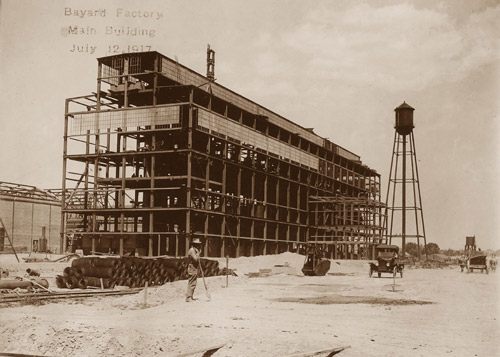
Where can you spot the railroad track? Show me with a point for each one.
(64, 295)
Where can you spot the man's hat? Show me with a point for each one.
(196, 241)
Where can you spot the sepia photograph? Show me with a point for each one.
(237, 178)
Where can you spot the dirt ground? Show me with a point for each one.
(429, 312)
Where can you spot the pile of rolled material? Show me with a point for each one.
(108, 272)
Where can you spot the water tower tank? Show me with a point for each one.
(404, 119)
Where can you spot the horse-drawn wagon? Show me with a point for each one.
(477, 262)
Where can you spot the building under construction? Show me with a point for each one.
(159, 154)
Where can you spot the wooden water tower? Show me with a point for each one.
(404, 200)
(470, 245)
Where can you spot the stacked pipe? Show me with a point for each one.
(23, 283)
(133, 272)
(210, 267)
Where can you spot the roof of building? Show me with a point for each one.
(387, 246)
(186, 76)
(26, 191)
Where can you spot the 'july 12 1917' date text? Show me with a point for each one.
(111, 50)
(115, 49)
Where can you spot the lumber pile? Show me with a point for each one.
(134, 272)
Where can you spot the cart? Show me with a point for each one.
(477, 262)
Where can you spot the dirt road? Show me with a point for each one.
(430, 312)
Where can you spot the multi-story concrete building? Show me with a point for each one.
(159, 153)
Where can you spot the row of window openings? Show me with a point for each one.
(211, 202)
(274, 166)
(270, 130)
(136, 170)
(273, 131)
(318, 181)
(258, 161)
(134, 64)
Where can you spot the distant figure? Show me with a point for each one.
(193, 267)
(493, 264)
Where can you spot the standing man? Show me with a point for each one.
(194, 263)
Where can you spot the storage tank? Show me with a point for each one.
(404, 119)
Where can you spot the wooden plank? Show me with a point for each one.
(8, 237)
(12, 354)
(207, 351)
(328, 352)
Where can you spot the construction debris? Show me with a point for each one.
(23, 283)
(47, 260)
(277, 269)
(207, 351)
(227, 271)
(327, 352)
(11, 298)
(32, 272)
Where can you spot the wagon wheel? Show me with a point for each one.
(379, 274)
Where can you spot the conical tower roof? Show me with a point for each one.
(404, 106)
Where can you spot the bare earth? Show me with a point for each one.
(429, 312)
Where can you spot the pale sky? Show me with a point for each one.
(338, 66)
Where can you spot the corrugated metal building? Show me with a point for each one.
(31, 218)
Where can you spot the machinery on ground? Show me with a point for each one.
(315, 264)
(387, 261)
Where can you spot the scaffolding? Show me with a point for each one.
(347, 227)
(159, 154)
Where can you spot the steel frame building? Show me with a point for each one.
(160, 153)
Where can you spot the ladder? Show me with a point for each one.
(8, 237)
